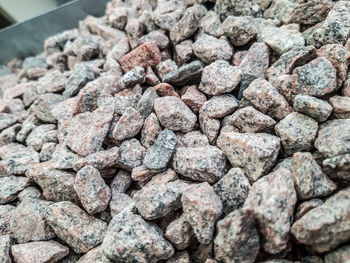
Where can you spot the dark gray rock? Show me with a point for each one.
(189, 73)
(81, 75)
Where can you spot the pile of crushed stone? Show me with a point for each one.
(181, 131)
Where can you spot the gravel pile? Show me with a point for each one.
(181, 131)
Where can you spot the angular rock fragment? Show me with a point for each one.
(51, 82)
(297, 132)
(341, 107)
(273, 104)
(219, 77)
(6, 120)
(131, 154)
(316, 108)
(146, 102)
(341, 254)
(135, 76)
(184, 28)
(118, 202)
(31, 192)
(306, 206)
(165, 89)
(324, 233)
(208, 49)
(28, 222)
(63, 158)
(128, 126)
(156, 201)
(192, 139)
(130, 237)
(237, 8)
(6, 212)
(75, 227)
(40, 135)
(232, 189)
(91, 189)
(87, 131)
(165, 67)
(220, 106)
(150, 131)
(159, 154)
(184, 51)
(309, 179)
(158, 37)
(203, 208)
(240, 30)
(255, 154)
(43, 105)
(209, 126)
(200, 163)
(317, 78)
(338, 167)
(186, 74)
(10, 188)
(174, 114)
(210, 24)
(180, 257)
(6, 242)
(144, 55)
(250, 120)
(193, 98)
(272, 199)
(179, 232)
(237, 238)
(99, 160)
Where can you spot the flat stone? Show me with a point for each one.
(129, 236)
(272, 199)
(131, 154)
(150, 130)
(232, 189)
(250, 120)
(43, 106)
(203, 208)
(10, 188)
(220, 106)
(186, 74)
(203, 164)
(341, 107)
(146, 102)
(193, 98)
(326, 33)
(6, 242)
(57, 185)
(179, 232)
(281, 39)
(135, 76)
(129, 125)
(174, 114)
(81, 75)
(99, 160)
(309, 179)
(28, 222)
(145, 55)
(209, 48)
(318, 109)
(87, 131)
(341, 254)
(156, 201)
(75, 227)
(272, 104)
(317, 78)
(297, 132)
(39, 252)
(240, 30)
(255, 154)
(91, 189)
(160, 153)
(237, 238)
(219, 77)
(324, 233)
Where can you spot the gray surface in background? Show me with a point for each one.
(27, 38)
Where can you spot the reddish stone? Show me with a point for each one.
(144, 55)
(17, 90)
(128, 126)
(150, 130)
(193, 98)
(165, 89)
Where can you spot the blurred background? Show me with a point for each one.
(15, 11)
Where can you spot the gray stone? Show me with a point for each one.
(43, 106)
(81, 75)
(146, 102)
(179, 232)
(131, 154)
(160, 153)
(318, 109)
(341, 254)
(10, 188)
(6, 242)
(240, 30)
(338, 168)
(186, 74)
(135, 76)
(40, 135)
(54, 81)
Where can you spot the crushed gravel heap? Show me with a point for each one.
(181, 131)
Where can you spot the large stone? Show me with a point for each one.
(272, 199)
(87, 131)
(255, 154)
(130, 237)
(309, 179)
(75, 227)
(232, 189)
(297, 132)
(203, 208)
(39, 252)
(237, 238)
(327, 226)
(174, 114)
(219, 77)
(91, 189)
(10, 188)
(203, 164)
(318, 109)
(28, 222)
(160, 153)
(335, 131)
(179, 232)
